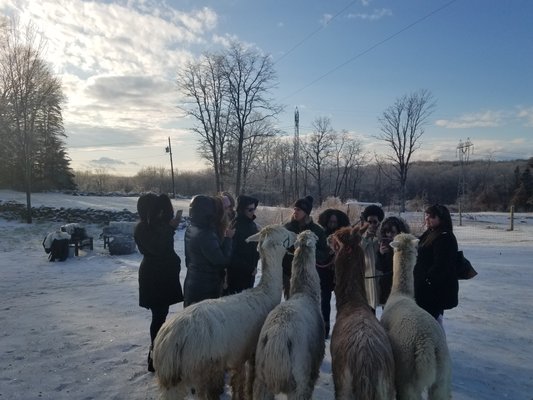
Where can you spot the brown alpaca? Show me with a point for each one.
(361, 354)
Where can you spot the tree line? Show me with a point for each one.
(491, 185)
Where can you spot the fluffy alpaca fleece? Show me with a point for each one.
(193, 350)
(361, 354)
(418, 342)
(291, 347)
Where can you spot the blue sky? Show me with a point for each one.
(347, 60)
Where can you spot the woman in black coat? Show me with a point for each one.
(159, 284)
(436, 285)
(244, 256)
(330, 220)
(207, 251)
(390, 227)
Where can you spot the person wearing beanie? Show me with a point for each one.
(371, 218)
(244, 256)
(301, 221)
(206, 253)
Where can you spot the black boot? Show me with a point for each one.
(150, 361)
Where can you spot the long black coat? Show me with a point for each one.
(206, 258)
(436, 285)
(244, 256)
(159, 283)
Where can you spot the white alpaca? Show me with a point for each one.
(290, 348)
(362, 360)
(193, 350)
(418, 342)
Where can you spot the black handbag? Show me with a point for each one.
(463, 267)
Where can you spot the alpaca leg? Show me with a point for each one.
(250, 377)
(409, 392)
(174, 393)
(260, 391)
(440, 390)
(237, 383)
(213, 387)
(302, 392)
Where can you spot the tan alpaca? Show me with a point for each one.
(418, 342)
(361, 355)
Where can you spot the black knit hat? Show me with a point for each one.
(305, 204)
(244, 201)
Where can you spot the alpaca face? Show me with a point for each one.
(306, 239)
(273, 236)
(405, 242)
(345, 239)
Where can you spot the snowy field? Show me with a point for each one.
(74, 330)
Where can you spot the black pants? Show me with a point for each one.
(159, 315)
(327, 284)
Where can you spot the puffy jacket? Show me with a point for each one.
(159, 283)
(206, 256)
(436, 285)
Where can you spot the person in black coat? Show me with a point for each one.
(436, 285)
(390, 227)
(207, 251)
(244, 256)
(331, 220)
(301, 221)
(159, 284)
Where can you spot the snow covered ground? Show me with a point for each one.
(74, 330)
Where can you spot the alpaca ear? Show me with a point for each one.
(253, 238)
(394, 244)
(415, 242)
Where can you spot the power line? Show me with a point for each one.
(313, 33)
(369, 49)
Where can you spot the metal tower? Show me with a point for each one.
(296, 154)
(463, 151)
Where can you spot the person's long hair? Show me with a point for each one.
(221, 218)
(145, 205)
(445, 225)
(342, 219)
(393, 221)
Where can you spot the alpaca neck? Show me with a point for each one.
(271, 271)
(302, 279)
(402, 278)
(349, 285)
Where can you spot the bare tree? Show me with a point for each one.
(250, 76)
(402, 126)
(30, 94)
(347, 155)
(318, 149)
(204, 85)
(255, 141)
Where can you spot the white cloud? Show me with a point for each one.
(375, 15)
(526, 114)
(324, 21)
(486, 119)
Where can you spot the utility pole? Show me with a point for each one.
(169, 150)
(296, 153)
(463, 151)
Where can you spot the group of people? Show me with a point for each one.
(435, 280)
(220, 262)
